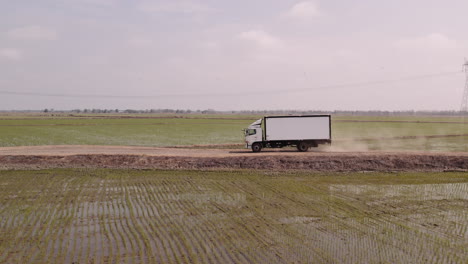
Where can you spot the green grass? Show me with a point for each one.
(389, 129)
(123, 216)
(406, 118)
(382, 133)
(169, 130)
(137, 132)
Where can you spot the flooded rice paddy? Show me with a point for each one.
(150, 216)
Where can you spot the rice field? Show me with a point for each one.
(349, 133)
(150, 216)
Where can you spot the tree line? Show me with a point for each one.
(261, 112)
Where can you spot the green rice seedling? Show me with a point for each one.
(143, 216)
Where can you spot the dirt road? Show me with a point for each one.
(41, 157)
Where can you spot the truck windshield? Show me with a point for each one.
(250, 132)
(257, 123)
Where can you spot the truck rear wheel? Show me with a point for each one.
(302, 146)
(256, 147)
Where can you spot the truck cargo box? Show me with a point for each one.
(297, 128)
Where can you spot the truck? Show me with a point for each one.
(301, 131)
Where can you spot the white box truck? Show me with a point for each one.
(280, 131)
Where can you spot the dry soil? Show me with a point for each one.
(42, 157)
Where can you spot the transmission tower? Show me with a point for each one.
(464, 104)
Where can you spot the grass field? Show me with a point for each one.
(164, 130)
(123, 216)
(136, 132)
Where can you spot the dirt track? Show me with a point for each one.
(171, 158)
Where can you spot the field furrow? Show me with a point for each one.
(148, 216)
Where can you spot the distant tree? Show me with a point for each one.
(209, 111)
(46, 110)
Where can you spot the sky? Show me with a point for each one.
(232, 55)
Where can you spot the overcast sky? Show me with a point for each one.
(233, 55)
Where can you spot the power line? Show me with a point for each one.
(215, 94)
(379, 82)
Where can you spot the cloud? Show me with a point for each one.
(182, 7)
(11, 54)
(98, 2)
(434, 41)
(33, 32)
(260, 37)
(140, 41)
(304, 10)
(91, 2)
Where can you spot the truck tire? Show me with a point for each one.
(256, 147)
(302, 146)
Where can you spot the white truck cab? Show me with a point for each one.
(253, 133)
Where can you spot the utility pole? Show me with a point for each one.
(464, 104)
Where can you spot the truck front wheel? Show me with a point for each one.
(256, 147)
(302, 146)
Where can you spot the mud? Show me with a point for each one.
(201, 159)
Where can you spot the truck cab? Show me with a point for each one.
(253, 133)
